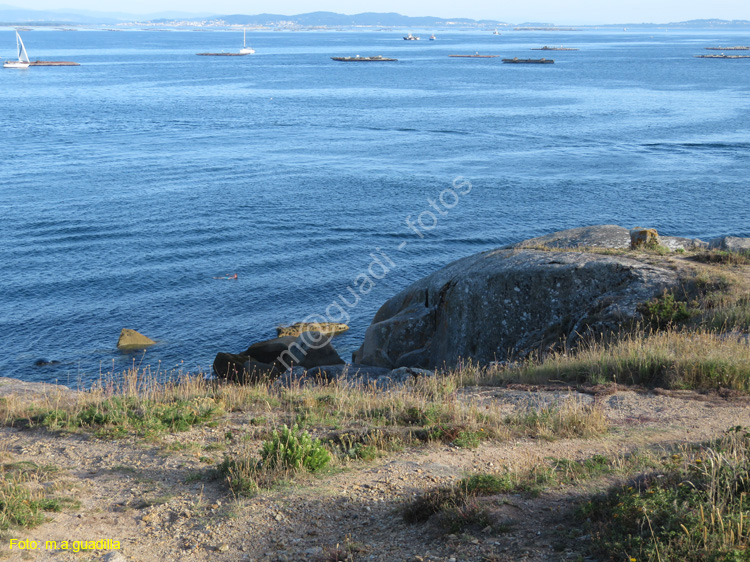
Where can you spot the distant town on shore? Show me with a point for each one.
(12, 16)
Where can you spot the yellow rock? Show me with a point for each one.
(327, 328)
(131, 339)
(643, 238)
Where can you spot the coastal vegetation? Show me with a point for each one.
(679, 501)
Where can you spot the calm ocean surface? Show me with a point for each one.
(129, 182)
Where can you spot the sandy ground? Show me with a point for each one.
(149, 498)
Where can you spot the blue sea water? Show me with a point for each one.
(129, 182)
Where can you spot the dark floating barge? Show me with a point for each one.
(546, 48)
(364, 59)
(722, 56)
(516, 60)
(53, 63)
(738, 48)
(474, 56)
(222, 54)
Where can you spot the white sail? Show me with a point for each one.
(23, 56)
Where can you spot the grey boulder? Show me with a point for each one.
(512, 302)
(730, 244)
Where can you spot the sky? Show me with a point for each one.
(553, 11)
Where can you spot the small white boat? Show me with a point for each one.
(432, 37)
(23, 57)
(496, 32)
(245, 50)
(411, 37)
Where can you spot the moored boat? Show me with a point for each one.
(722, 56)
(474, 56)
(357, 58)
(411, 37)
(546, 48)
(516, 60)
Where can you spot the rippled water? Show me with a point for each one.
(129, 182)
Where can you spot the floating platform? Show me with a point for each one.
(516, 60)
(739, 48)
(53, 63)
(722, 56)
(474, 56)
(222, 54)
(363, 59)
(546, 48)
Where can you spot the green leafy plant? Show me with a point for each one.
(294, 449)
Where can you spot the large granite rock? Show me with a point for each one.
(601, 236)
(730, 244)
(511, 302)
(607, 236)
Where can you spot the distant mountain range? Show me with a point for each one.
(12, 15)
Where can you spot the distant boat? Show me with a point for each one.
(411, 37)
(546, 48)
(474, 56)
(245, 50)
(432, 37)
(23, 57)
(516, 60)
(496, 32)
(357, 58)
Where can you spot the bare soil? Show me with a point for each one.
(158, 502)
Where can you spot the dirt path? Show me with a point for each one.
(150, 497)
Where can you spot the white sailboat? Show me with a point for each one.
(23, 57)
(245, 50)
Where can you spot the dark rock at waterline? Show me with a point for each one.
(242, 368)
(268, 351)
(45, 362)
(267, 359)
(511, 302)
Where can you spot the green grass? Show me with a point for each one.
(121, 416)
(677, 359)
(287, 452)
(23, 501)
(695, 507)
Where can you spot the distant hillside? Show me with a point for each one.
(691, 24)
(338, 20)
(13, 15)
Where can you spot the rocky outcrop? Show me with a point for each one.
(296, 329)
(602, 236)
(512, 302)
(643, 238)
(266, 360)
(730, 244)
(607, 236)
(130, 339)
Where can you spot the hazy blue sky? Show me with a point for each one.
(558, 11)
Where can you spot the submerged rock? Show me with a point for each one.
(130, 339)
(512, 302)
